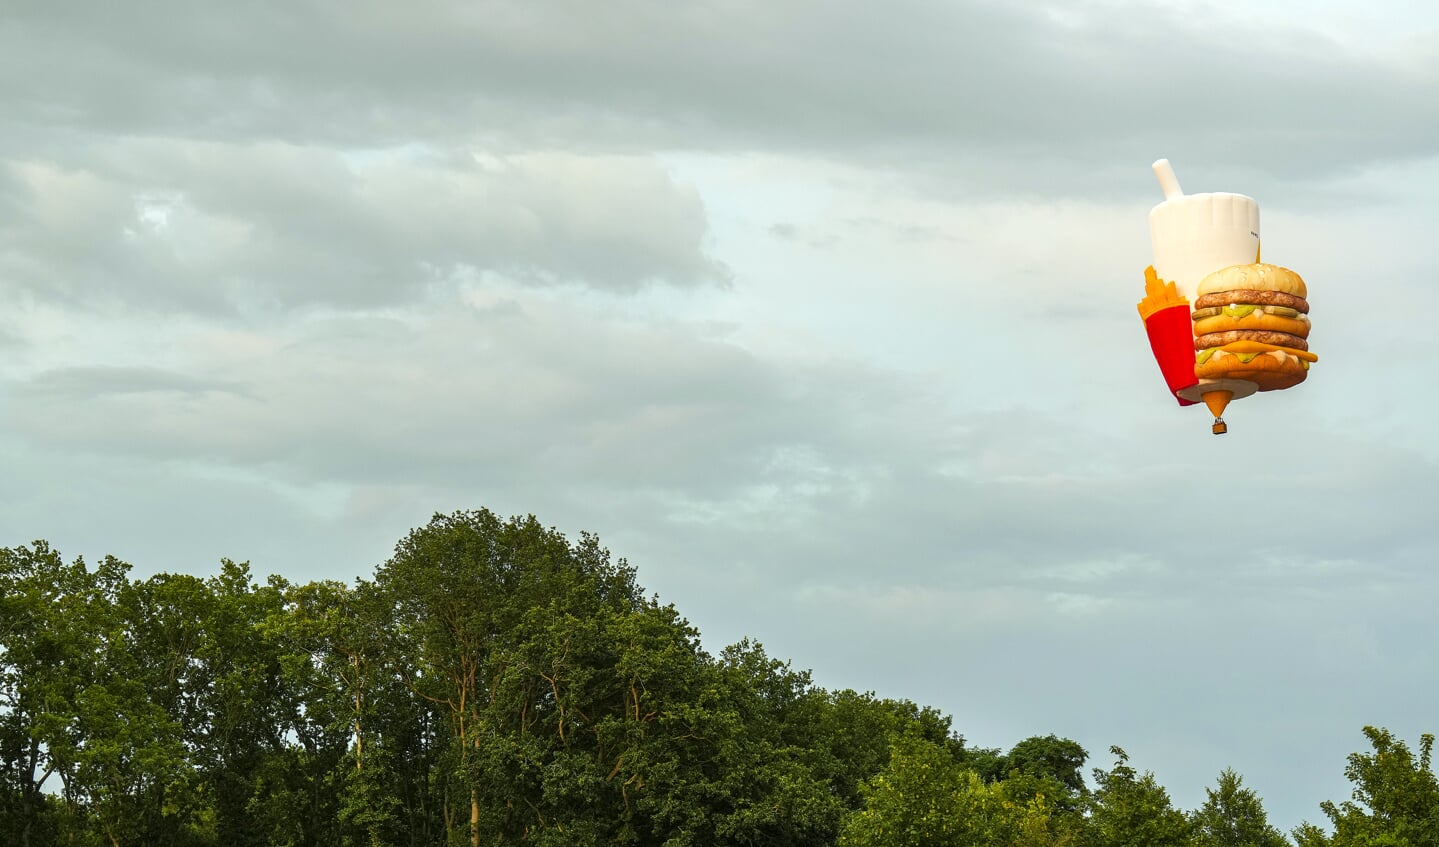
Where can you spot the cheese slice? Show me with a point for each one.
(1247, 346)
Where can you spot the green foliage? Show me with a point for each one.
(1046, 765)
(497, 625)
(1233, 816)
(1395, 801)
(1128, 809)
(1059, 759)
(77, 708)
(496, 683)
(924, 797)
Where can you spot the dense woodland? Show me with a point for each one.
(495, 683)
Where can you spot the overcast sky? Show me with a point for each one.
(822, 314)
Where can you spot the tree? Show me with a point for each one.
(1233, 816)
(1132, 810)
(79, 703)
(45, 662)
(164, 618)
(336, 657)
(852, 733)
(465, 593)
(250, 707)
(924, 798)
(1395, 801)
(722, 758)
(1052, 766)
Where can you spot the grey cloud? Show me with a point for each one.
(87, 383)
(214, 226)
(495, 393)
(183, 518)
(1066, 105)
(525, 395)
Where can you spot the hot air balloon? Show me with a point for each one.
(1222, 324)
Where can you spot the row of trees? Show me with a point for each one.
(494, 683)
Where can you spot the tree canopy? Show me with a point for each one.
(494, 682)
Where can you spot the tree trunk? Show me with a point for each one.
(449, 813)
(359, 711)
(474, 817)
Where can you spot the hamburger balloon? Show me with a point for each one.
(1252, 322)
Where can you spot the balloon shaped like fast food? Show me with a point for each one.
(1249, 327)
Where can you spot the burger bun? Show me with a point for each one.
(1256, 277)
(1271, 371)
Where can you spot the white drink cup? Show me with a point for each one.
(1194, 235)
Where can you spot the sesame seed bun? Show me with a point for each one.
(1256, 277)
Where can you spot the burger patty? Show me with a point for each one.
(1263, 336)
(1241, 296)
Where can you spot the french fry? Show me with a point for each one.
(1158, 295)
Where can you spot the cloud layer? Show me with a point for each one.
(205, 226)
(998, 96)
